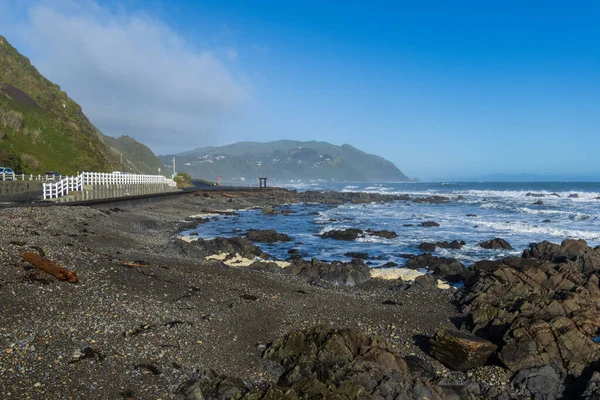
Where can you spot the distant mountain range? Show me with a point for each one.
(285, 161)
(42, 129)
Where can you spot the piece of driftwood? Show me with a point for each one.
(134, 264)
(48, 266)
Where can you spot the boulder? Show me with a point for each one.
(347, 234)
(573, 196)
(495, 244)
(455, 244)
(361, 256)
(429, 224)
(539, 383)
(267, 236)
(330, 274)
(432, 200)
(382, 234)
(425, 282)
(459, 350)
(219, 245)
(538, 203)
(570, 250)
(442, 268)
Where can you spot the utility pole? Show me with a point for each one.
(173, 166)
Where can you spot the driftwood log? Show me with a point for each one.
(48, 266)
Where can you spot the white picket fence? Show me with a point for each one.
(25, 177)
(68, 184)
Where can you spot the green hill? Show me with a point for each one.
(286, 160)
(41, 128)
(136, 153)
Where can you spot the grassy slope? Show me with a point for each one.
(55, 134)
(139, 154)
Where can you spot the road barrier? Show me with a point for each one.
(68, 184)
(25, 177)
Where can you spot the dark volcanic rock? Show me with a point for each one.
(547, 221)
(432, 200)
(335, 364)
(574, 196)
(347, 234)
(471, 215)
(234, 245)
(543, 309)
(455, 244)
(460, 351)
(426, 282)
(541, 383)
(429, 224)
(361, 256)
(331, 274)
(495, 244)
(383, 234)
(539, 203)
(267, 236)
(441, 267)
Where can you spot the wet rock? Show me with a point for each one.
(219, 245)
(460, 351)
(426, 282)
(361, 256)
(570, 250)
(267, 236)
(293, 251)
(432, 200)
(535, 194)
(460, 197)
(555, 194)
(538, 203)
(574, 196)
(389, 264)
(471, 215)
(455, 244)
(266, 267)
(448, 269)
(331, 274)
(268, 210)
(547, 221)
(382, 234)
(540, 383)
(429, 224)
(408, 225)
(496, 244)
(347, 234)
(592, 388)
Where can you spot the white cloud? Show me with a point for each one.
(134, 75)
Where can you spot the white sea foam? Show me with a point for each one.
(521, 227)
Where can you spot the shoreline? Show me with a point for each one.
(177, 314)
(152, 313)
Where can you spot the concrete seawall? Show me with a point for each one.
(16, 187)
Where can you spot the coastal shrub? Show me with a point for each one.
(12, 119)
(30, 161)
(183, 180)
(2, 134)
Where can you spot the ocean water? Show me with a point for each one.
(504, 210)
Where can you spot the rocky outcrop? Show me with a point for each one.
(455, 244)
(448, 269)
(460, 351)
(347, 234)
(267, 236)
(323, 363)
(541, 310)
(360, 256)
(382, 234)
(494, 244)
(429, 224)
(432, 200)
(219, 245)
(330, 274)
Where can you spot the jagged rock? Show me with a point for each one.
(267, 236)
(432, 200)
(540, 383)
(234, 245)
(442, 268)
(496, 243)
(574, 196)
(429, 224)
(383, 234)
(331, 274)
(361, 256)
(347, 234)
(455, 244)
(426, 282)
(570, 250)
(460, 351)
(592, 389)
(542, 309)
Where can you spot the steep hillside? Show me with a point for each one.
(286, 160)
(136, 153)
(41, 128)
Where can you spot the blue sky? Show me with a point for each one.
(445, 90)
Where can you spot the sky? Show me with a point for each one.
(444, 89)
